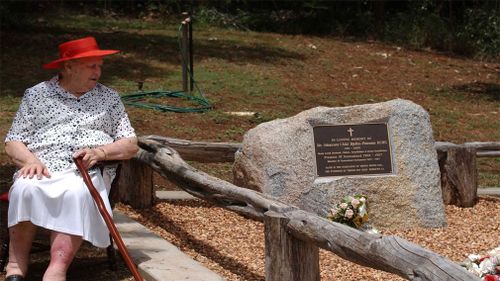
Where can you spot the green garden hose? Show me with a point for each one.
(137, 99)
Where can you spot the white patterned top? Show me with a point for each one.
(54, 124)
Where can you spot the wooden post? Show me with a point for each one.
(288, 258)
(136, 184)
(191, 67)
(185, 57)
(458, 175)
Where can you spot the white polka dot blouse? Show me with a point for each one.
(54, 123)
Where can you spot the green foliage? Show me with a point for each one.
(418, 27)
(238, 20)
(474, 33)
(480, 35)
(464, 27)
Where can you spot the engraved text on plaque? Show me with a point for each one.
(361, 149)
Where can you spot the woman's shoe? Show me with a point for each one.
(14, 278)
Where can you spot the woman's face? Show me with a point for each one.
(83, 74)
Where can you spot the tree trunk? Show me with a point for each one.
(379, 11)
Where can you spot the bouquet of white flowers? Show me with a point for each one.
(487, 267)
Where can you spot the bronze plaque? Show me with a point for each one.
(362, 149)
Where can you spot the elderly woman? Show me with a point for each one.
(69, 116)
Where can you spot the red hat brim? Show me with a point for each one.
(94, 53)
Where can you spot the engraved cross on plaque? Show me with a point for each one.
(350, 131)
(369, 153)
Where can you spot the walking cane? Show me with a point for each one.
(107, 218)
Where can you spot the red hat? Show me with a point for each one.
(80, 48)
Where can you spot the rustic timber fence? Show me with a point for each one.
(457, 164)
(459, 170)
(292, 236)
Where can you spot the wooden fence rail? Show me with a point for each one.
(483, 149)
(205, 152)
(292, 233)
(457, 163)
(212, 152)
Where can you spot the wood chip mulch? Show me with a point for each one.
(233, 246)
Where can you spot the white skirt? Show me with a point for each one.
(61, 203)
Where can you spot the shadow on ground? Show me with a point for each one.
(26, 48)
(90, 264)
(229, 263)
(488, 91)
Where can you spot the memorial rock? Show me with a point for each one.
(313, 159)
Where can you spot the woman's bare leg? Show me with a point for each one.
(21, 237)
(63, 249)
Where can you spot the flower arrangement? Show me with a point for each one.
(487, 267)
(352, 211)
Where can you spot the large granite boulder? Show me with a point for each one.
(279, 158)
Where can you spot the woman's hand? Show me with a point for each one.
(90, 156)
(33, 168)
(29, 165)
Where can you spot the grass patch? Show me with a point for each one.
(218, 117)
(489, 172)
(355, 98)
(9, 104)
(466, 91)
(234, 132)
(221, 170)
(489, 180)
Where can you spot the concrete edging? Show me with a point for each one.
(492, 191)
(156, 258)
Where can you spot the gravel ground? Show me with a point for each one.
(234, 246)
